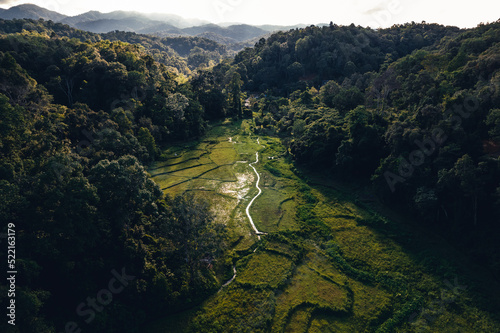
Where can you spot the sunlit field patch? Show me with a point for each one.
(224, 173)
(265, 270)
(167, 181)
(223, 156)
(237, 189)
(275, 210)
(236, 310)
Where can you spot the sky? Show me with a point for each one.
(373, 13)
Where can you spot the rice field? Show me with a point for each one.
(322, 267)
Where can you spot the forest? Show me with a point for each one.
(410, 113)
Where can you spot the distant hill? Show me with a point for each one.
(148, 19)
(239, 32)
(31, 12)
(234, 35)
(181, 54)
(85, 17)
(271, 28)
(131, 24)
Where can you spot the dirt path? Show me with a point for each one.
(257, 232)
(231, 280)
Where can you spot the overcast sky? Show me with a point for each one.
(374, 13)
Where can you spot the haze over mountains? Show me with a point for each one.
(157, 24)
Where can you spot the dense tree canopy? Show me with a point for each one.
(77, 122)
(181, 55)
(412, 111)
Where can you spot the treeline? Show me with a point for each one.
(412, 111)
(197, 52)
(287, 60)
(78, 120)
(181, 55)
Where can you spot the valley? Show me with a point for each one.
(329, 178)
(323, 264)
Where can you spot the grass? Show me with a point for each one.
(274, 211)
(236, 310)
(369, 305)
(223, 156)
(307, 287)
(300, 319)
(265, 270)
(328, 265)
(223, 173)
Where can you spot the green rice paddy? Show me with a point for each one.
(324, 266)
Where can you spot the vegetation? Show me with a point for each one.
(181, 55)
(321, 268)
(77, 122)
(112, 163)
(410, 110)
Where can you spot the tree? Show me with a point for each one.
(209, 91)
(295, 71)
(347, 99)
(466, 176)
(328, 91)
(235, 95)
(11, 124)
(493, 120)
(124, 189)
(425, 201)
(193, 231)
(147, 140)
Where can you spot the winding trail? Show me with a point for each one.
(229, 282)
(257, 232)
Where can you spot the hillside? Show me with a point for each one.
(411, 111)
(327, 179)
(65, 105)
(163, 25)
(317, 54)
(179, 54)
(30, 12)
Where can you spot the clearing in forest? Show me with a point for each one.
(325, 263)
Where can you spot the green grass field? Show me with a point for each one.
(264, 269)
(327, 264)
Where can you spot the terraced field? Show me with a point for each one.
(325, 265)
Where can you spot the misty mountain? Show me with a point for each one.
(235, 36)
(148, 19)
(271, 28)
(130, 24)
(31, 12)
(240, 32)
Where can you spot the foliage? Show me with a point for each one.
(409, 112)
(181, 55)
(77, 120)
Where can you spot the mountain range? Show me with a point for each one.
(157, 24)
